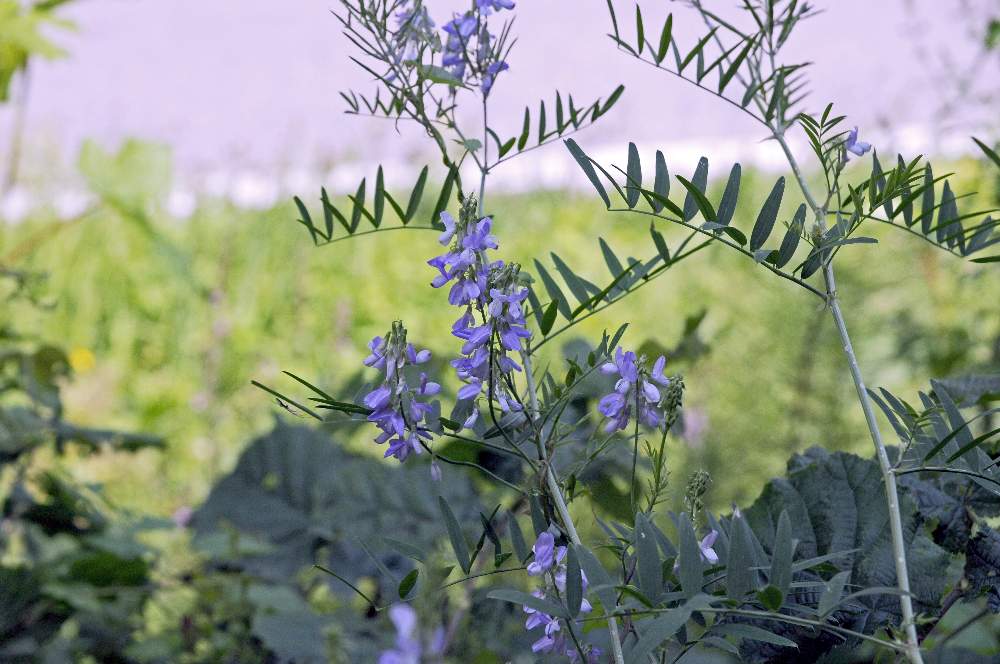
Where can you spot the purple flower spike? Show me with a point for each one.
(853, 145)
(397, 408)
(492, 323)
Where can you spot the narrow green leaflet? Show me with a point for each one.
(530, 601)
(693, 203)
(664, 627)
(649, 570)
(574, 583)
(768, 213)
(727, 206)
(690, 571)
(781, 558)
(584, 161)
(830, 598)
(407, 584)
(455, 534)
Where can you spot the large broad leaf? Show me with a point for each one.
(300, 492)
(836, 503)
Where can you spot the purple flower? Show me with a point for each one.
(489, 77)
(407, 650)
(635, 388)
(544, 550)
(705, 549)
(182, 516)
(485, 6)
(852, 144)
(397, 409)
(461, 26)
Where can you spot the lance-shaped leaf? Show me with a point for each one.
(588, 169)
(768, 213)
(693, 202)
(727, 206)
(458, 542)
(790, 242)
(664, 627)
(648, 558)
(661, 183)
(634, 172)
(524, 599)
(690, 565)
(574, 583)
(781, 557)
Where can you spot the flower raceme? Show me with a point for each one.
(549, 563)
(492, 324)
(397, 409)
(637, 391)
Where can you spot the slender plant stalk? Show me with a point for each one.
(888, 475)
(550, 478)
(556, 494)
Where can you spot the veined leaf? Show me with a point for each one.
(634, 172)
(585, 164)
(768, 213)
(455, 534)
(703, 204)
(727, 206)
(648, 568)
(700, 182)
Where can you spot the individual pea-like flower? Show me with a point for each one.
(636, 389)
(490, 75)
(407, 649)
(705, 549)
(544, 550)
(853, 145)
(485, 6)
(397, 408)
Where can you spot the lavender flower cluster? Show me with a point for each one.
(397, 409)
(636, 389)
(492, 323)
(408, 648)
(550, 563)
(471, 53)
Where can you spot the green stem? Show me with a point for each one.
(555, 492)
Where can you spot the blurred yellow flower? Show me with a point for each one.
(81, 359)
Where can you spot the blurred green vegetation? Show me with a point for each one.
(167, 321)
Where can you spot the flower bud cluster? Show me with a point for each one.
(397, 408)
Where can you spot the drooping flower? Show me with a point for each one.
(853, 145)
(705, 549)
(544, 550)
(636, 389)
(490, 76)
(407, 650)
(397, 408)
(485, 6)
